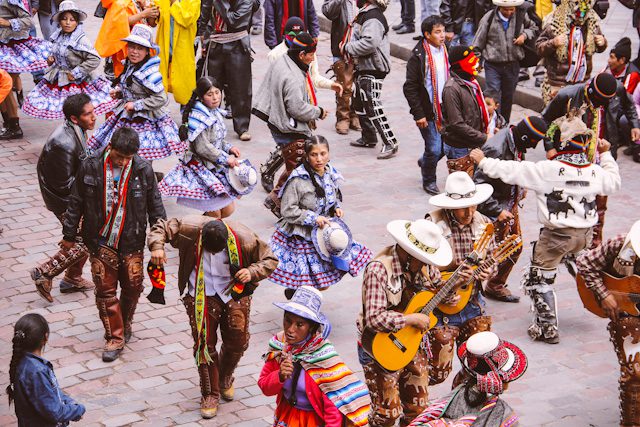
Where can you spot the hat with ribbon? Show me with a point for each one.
(333, 243)
(243, 178)
(69, 6)
(142, 35)
(306, 303)
(492, 361)
(601, 89)
(423, 240)
(461, 192)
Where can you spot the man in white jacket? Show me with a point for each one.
(565, 187)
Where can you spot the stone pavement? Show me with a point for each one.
(155, 383)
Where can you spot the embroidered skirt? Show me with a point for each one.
(290, 416)
(158, 137)
(197, 187)
(301, 265)
(46, 99)
(24, 56)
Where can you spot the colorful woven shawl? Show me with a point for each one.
(320, 360)
(114, 204)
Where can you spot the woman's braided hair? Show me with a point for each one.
(203, 85)
(30, 334)
(314, 141)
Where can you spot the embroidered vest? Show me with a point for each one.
(620, 266)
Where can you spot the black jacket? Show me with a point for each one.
(143, 200)
(57, 166)
(454, 13)
(500, 146)
(574, 97)
(236, 14)
(420, 105)
(462, 125)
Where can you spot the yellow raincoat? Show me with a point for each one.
(181, 78)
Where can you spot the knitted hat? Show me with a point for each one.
(601, 89)
(623, 48)
(530, 130)
(292, 27)
(303, 42)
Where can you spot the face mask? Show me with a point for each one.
(470, 64)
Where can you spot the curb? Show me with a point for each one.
(525, 97)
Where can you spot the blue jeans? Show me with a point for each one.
(467, 33)
(429, 8)
(453, 153)
(503, 78)
(433, 152)
(474, 308)
(282, 139)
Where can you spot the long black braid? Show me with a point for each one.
(203, 85)
(308, 146)
(30, 334)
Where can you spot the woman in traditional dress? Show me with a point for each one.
(199, 180)
(310, 201)
(71, 64)
(19, 53)
(302, 368)
(491, 364)
(141, 102)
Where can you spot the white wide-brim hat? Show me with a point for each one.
(461, 192)
(143, 35)
(333, 240)
(243, 178)
(508, 3)
(69, 6)
(423, 240)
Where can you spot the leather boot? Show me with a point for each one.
(292, 154)
(626, 331)
(43, 274)
(128, 306)
(73, 280)
(111, 316)
(269, 168)
(12, 130)
(442, 340)
(228, 362)
(209, 389)
(344, 76)
(132, 287)
(464, 164)
(601, 207)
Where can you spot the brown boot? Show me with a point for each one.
(344, 76)
(209, 388)
(354, 123)
(128, 306)
(292, 154)
(111, 316)
(208, 407)
(342, 127)
(43, 274)
(132, 287)
(442, 340)
(623, 333)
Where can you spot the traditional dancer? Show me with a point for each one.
(314, 386)
(142, 102)
(19, 53)
(492, 364)
(312, 243)
(221, 263)
(618, 257)
(200, 180)
(462, 225)
(565, 187)
(390, 281)
(503, 205)
(113, 195)
(58, 165)
(72, 62)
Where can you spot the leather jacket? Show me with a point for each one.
(86, 202)
(462, 125)
(236, 14)
(455, 12)
(57, 166)
(183, 234)
(420, 105)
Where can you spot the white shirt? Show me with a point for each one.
(491, 129)
(441, 70)
(216, 275)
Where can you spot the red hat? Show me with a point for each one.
(492, 361)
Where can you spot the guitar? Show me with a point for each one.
(394, 350)
(507, 247)
(626, 292)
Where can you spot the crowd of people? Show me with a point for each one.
(426, 291)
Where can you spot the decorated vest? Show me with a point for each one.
(622, 265)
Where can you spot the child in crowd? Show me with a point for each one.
(32, 384)
(496, 121)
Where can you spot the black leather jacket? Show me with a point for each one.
(143, 201)
(420, 105)
(57, 166)
(499, 146)
(454, 13)
(235, 13)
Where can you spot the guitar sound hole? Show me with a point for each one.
(465, 287)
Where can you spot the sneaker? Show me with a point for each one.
(360, 142)
(245, 136)
(387, 151)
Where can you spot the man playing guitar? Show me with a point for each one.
(618, 257)
(461, 225)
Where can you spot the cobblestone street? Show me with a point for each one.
(155, 382)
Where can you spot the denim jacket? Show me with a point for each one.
(38, 398)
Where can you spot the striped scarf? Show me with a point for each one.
(577, 57)
(477, 91)
(320, 360)
(433, 73)
(115, 201)
(311, 90)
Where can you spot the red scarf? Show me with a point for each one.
(477, 90)
(311, 90)
(285, 14)
(435, 98)
(220, 26)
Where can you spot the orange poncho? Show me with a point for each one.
(114, 28)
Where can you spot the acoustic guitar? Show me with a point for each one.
(394, 350)
(626, 292)
(510, 245)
